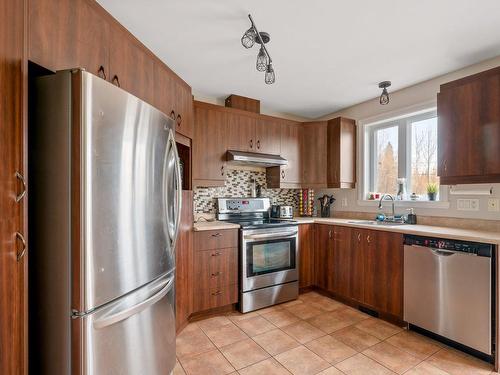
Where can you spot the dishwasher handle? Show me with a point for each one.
(442, 252)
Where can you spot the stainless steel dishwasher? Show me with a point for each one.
(448, 289)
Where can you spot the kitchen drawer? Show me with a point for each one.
(216, 268)
(215, 297)
(215, 239)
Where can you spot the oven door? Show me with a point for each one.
(269, 257)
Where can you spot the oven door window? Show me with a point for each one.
(270, 256)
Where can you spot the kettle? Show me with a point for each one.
(325, 202)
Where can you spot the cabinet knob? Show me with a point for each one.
(251, 143)
(258, 144)
(179, 120)
(101, 73)
(20, 254)
(116, 81)
(21, 195)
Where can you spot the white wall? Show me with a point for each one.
(412, 96)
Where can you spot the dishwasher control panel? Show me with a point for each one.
(475, 248)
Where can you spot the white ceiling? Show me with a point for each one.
(327, 54)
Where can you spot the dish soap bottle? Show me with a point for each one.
(412, 218)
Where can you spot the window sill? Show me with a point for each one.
(407, 204)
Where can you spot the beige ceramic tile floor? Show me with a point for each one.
(313, 335)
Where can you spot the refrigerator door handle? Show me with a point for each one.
(127, 313)
(173, 157)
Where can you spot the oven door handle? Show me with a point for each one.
(275, 235)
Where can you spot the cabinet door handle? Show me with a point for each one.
(330, 234)
(179, 120)
(444, 165)
(21, 195)
(251, 143)
(368, 239)
(216, 234)
(172, 114)
(21, 254)
(101, 73)
(283, 174)
(216, 293)
(359, 237)
(116, 81)
(258, 144)
(216, 254)
(215, 274)
(222, 171)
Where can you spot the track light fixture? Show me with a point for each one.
(264, 61)
(384, 97)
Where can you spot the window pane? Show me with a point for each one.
(423, 156)
(386, 148)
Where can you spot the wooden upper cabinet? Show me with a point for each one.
(173, 97)
(241, 132)
(68, 34)
(341, 163)
(209, 147)
(314, 154)
(469, 129)
(130, 66)
(268, 136)
(383, 272)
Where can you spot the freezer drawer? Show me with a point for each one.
(134, 335)
(449, 293)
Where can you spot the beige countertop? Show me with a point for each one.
(213, 225)
(419, 230)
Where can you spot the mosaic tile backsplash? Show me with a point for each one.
(238, 184)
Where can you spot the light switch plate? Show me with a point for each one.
(493, 204)
(468, 204)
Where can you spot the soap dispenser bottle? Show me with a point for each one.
(412, 217)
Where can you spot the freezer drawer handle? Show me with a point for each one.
(127, 313)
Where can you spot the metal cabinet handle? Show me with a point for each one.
(283, 174)
(217, 293)
(116, 81)
(216, 254)
(216, 234)
(368, 238)
(179, 120)
(21, 254)
(258, 143)
(444, 165)
(101, 73)
(359, 237)
(21, 195)
(251, 143)
(216, 274)
(172, 114)
(330, 234)
(222, 171)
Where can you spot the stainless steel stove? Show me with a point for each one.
(269, 252)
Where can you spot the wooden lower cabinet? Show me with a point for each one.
(306, 255)
(215, 269)
(364, 266)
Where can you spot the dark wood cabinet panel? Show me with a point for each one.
(207, 299)
(183, 107)
(13, 272)
(290, 150)
(216, 239)
(68, 34)
(469, 129)
(209, 147)
(216, 268)
(341, 163)
(243, 103)
(240, 132)
(306, 255)
(268, 136)
(341, 278)
(323, 254)
(314, 154)
(356, 270)
(384, 272)
(130, 67)
(184, 263)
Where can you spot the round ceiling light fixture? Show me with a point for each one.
(384, 97)
(264, 61)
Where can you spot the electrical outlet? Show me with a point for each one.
(493, 204)
(468, 204)
(344, 202)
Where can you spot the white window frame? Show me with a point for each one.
(366, 159)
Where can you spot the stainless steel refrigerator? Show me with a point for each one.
(104, 211)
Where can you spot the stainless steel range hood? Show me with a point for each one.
(252, 158)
